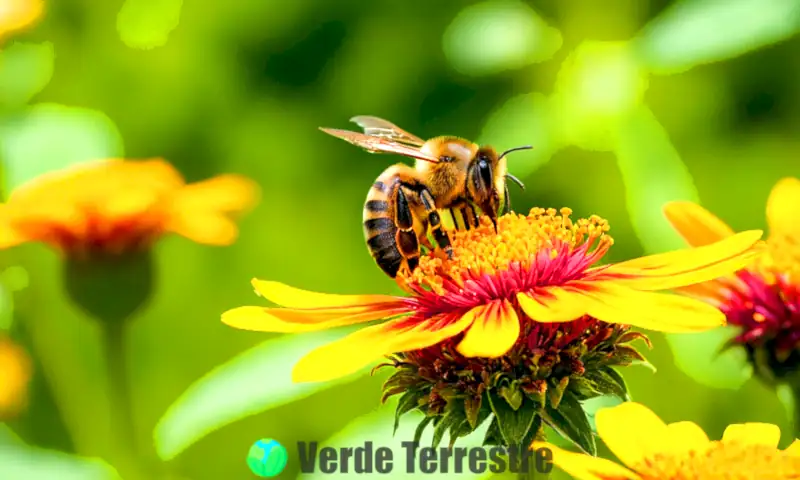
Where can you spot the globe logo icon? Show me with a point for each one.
(267, 458)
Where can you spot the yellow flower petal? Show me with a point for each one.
(18, 14)
(793, 449)
(207, 229)
(586, 467)
(287, 296)
(688, 266)
(494, 331)
(783, 209)
(695, 224)
(223, 194)
(632, 431)
(661, 312)
(361, 348)
(286, 320)
(552, 305)
(686, 436)
(753, 434)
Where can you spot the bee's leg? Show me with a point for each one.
(470, 216)
(441, 237)
(406, 237)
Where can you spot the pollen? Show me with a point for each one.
(781, 254)
(723, 461)
(537, 240)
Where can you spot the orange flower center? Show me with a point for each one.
(535, 240)
(723, 461)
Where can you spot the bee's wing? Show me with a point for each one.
(378, 127)
(375, 144)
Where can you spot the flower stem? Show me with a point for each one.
(123, 429)
(796, 407)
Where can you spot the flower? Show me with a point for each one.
(18, 14)
(537, 269)
(653, 450)
(15, 373)
(762, 301)
(519, 324)
(115, 206)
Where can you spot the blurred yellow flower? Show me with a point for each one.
(653, 450)
(533, 282)
(114, 206)
(764, 299)
(15, 373)
(18, 14)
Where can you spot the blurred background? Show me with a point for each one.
(628, 104)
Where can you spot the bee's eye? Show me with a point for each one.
(485, 171)
(447, 159)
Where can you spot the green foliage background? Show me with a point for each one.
(627, 103)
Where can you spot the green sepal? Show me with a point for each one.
(472, 409)
(513, 424)
(512, 395)
(409, 401)
(421, 429)
(571, 422)
(557, 391)
(607, 381)
(626, 355)
(444, 423)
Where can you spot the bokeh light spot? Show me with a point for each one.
(600, 81)
(492, 37)
(50, 137)
(700, 356)
(699, 32)
(146, 24)
(25, 69)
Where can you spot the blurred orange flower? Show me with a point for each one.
(15, 373)
(18, 14)
(114, 206)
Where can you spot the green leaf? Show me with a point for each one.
(25, 69)
(376, 427)
(47, 137)
(643, 147)
(408, 402)
(697, 32)
(514, 424)
(22, 462)
(255, 381)
(146, 24)
(490, 37)
(700, 356)
(493, 435)
(570, 421)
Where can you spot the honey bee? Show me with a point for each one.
(404, 204)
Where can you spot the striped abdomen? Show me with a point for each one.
(380, 230)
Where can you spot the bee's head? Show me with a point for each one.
(486, 180)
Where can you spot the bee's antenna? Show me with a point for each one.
(524, 147)
(515, 180)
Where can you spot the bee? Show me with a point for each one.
(403, 205)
